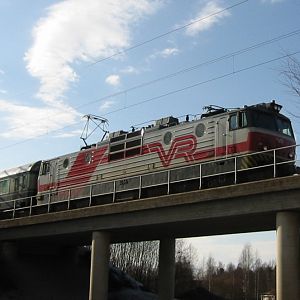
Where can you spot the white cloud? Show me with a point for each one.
(70, 32)
(3, 91)
(28, 122)
(69, 134)
(105, 105)
(113, 80)
(2, 72)
(165, 53)
(75, 30)
(211, 9)
(169, 52)
(129, 70)
(271, 1)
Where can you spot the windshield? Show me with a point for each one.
(271, 122)
(284, 126)
(263, 120)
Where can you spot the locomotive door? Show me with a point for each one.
(221, 137)
(232, 126)
(47, 178)
(53, 175)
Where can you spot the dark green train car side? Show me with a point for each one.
(18, 183)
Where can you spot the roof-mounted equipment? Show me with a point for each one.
(212, 110)
(167, 122)
(269, 106)
(98, 123)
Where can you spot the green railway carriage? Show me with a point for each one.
(18, 183)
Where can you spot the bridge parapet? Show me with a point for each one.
(238, 208)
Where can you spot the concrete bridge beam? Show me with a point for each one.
(99, 266)
(166, 271)
(288, 256)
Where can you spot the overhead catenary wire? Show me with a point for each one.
(194, 67)
(167, 33)
(165, 95)
(186, 70)
(156, 37)
(203, 82)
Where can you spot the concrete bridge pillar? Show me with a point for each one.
(288, 256)
(99, 266)
(166, 271)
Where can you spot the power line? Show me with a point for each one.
(194, 67)
(167, 33)
(186, 70)
(158, 37)
(38, 136)
(148, 41)
(168, 94)
(202, 82)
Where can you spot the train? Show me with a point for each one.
(219, 147)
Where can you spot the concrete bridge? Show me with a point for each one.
(272, 204)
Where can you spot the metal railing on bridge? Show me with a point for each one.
(226, 171)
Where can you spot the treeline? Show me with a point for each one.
(247, 280)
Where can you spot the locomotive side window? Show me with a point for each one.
(66, 163)
(243, 122)
(238, 120)
(200, 130)
(46, 168)
(168, 138)
(233, 122)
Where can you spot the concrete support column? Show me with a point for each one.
(99, 266)
(288, 256)
(166, 271)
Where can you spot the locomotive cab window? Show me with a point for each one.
(238, 120)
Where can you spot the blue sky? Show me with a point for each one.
(61, 60)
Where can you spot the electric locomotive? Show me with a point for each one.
(166, 157)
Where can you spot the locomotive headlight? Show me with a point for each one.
(277, 107)
(291, 155)
(265, 148)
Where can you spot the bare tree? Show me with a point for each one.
(290, 78)
(246, 263)
(184, 250)
(230, 269)
(139, 259)
(185, 268)
(257, 266)
(291, 75)
(210, 271)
